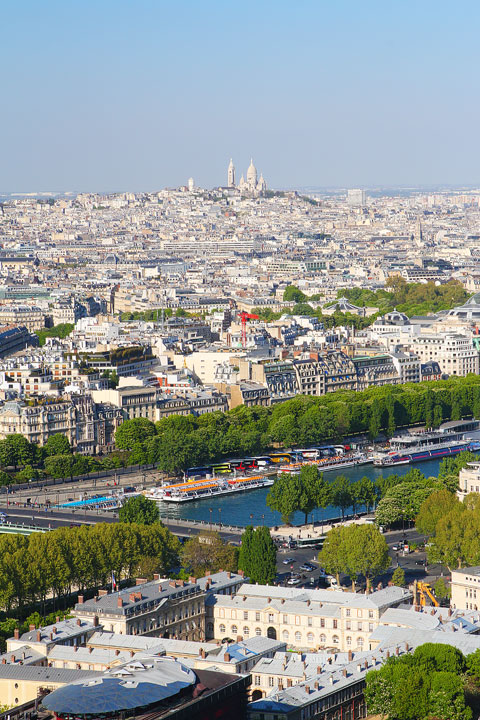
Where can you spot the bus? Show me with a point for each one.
(285, 457)
(221, 468)
(313, 542)
(198, 472)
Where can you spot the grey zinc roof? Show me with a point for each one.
(24, 654)
(133, 642)
(378, 599)
(69, 653)
(409, 618)
(386, 636)
(65, 629)
(40, 673)
(260, 603)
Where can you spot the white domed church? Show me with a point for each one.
(252, 185)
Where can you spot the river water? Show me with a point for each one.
(251, 508)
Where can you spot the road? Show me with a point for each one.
(413, 564)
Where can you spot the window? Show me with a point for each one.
(246, 631)
(270, 681)
(323, 639)
(335, 623)
(359, 626)
(349, 640)
(335, 639)
(297, 619)
(258, 631)
(285, 635)
(359, 613)
(298, 637)
(270, 618)
(257, 616)
(347, 612)
(234, 614)
(370, 627)
(285, 619)
(370, 613)
(322, 622)
(310, 637)
(257, 680)
(234, 629)
(245, 615)
(310, 622)
(360, 642)
(348, 625)
(210, 627)
(222, 629)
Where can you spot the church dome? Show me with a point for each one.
(252, 173)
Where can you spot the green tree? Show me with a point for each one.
(398, 577)
(341, 494)
(246, 550)
(263, 557)
(442, 590)
(364, 492)
(433, 509)
(5, 478)
(447, 697)
(26, 473)
(366, 551)
(140, 510)
(332, 555)
(293, 294)
(57, 445)
(207, 551)
(284, 496)
(59, 466)
(132, 432)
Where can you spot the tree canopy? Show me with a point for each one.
(258, 555)
(139, 510)
(356, 550)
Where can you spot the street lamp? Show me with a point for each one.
(220, 514)
(211, 510)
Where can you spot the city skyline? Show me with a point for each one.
(118, 97)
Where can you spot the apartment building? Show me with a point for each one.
(307, 619)
(465, 587)
(160, 608)
(455, 353)
(31, 317)
(38, 422)
(469, 480)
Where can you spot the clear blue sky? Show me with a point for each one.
(142, 94)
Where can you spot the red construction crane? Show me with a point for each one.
(244, 316)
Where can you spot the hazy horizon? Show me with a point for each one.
(324, 95)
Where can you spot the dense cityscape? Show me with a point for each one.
(239, 361)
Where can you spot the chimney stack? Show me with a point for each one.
(57, 619)
(119, 602)
(80, 599)
(32, 627)
(192, 579)
(203, 654)
(344, 672)
(307, 689)
(16, 634)
(95, 621)
(117, 652)
(140, 581)
(156, 576)
(226, 657)
(289, 682)
(39, 636)
(350, 656)
(79, 622)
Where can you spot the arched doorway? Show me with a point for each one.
(257, 695)
(272, 633)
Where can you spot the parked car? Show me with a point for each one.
(288, 561)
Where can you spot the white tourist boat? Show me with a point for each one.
(202, 489)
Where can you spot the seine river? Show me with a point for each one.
(251, 508)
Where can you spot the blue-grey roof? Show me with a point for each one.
(139, 683)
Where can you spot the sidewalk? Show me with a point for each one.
(316, 530)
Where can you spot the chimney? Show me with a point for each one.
(203, 654)
(54, 629)
(319, 669)
(239, 638)
(57, 619)
(75, 649)
(16, 634)
(102, 593)
(307, 689)
(226, 657)
(407, 647)
(397, 651)
(79, 622)
(51, 636)
(12, 658)
(244, 597)
(32, 627)
(132, 653)
(24, 655)
(220, 570)
(344, 672)
(330, 679)
(359, 668)
(119, 602)
(269, 600)
(192, 579)
(365, 664)
(350, 656)
(229, 574)
(388, 653)
(450, 612)
(4, 661)
(241, 573)
(95, 621)
(80, 599)
(156, 576)
(39, 635)
(117, 652)
(289, 682)
(90, 649)
(131, 597)
(207, 572)
(140, 581)
(283, 601)
(316, 684)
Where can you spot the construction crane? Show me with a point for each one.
(422, 590)
(244, 316)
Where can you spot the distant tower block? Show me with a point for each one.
(356, 198)
(231, 175)
(191, 184)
